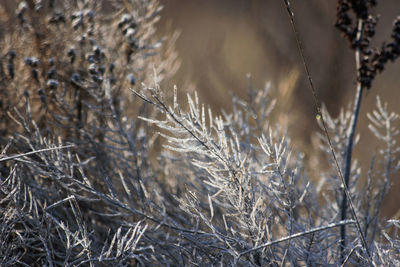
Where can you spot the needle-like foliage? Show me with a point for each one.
(95, 174)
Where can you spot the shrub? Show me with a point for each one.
(80, 186)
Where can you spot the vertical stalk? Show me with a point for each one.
(350, 134)
(350, 137)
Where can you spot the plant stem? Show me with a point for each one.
(346, 192)
(350, 140)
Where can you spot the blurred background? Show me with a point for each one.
(222, 41)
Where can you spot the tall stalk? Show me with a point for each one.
(350, 139)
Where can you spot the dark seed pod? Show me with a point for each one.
(52, 84)
(35, 75)
(133, 25)
(51, 74)
(90, 58)
(35, 62)
(96, 50)
(12, 54)
(28, 61)
(131, 79)
(124, 20)
(97, 79)
(111, 67)
(92, 68)
(71, 54)
(75, 78)
(42, 95)
(10, 67)
(102, 69)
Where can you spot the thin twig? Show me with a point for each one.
(348, 256)
(319, 114)
(34, 152)
(314, 230)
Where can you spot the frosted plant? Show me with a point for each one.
(85, 182)
(244, 193)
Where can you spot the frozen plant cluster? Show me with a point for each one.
(95, 174)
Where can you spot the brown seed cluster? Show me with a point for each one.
(373, 59)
